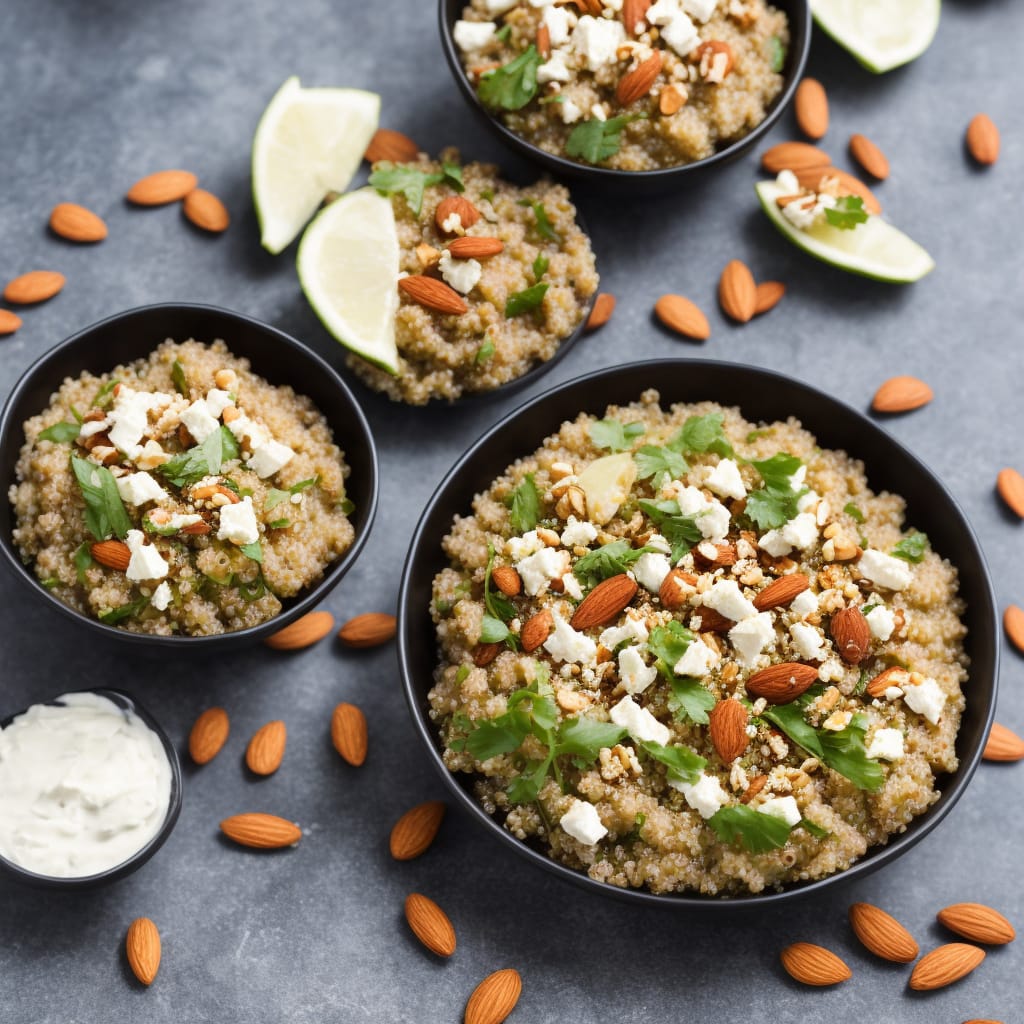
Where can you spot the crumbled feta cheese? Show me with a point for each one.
(800, 532)
(578, 533)
(452, 224)
(583, 823)
(634, 674)
(566, 644)
(161, 597)
(782, 807)
(726, 481)
(179, 520)
(199, 421)
(462, 275)
(805, 501)
(751, 636)
(244, 428)
(518, 548)
(886, 744)
(681, 34)
(805, 603)
(659, 543)
(892, 693)
(698, 660)
(268, 458)
(597, 39)
(926, 698)
(882, 622)
(661, 12)
(554, 69)
(700, 9)
(238, 523)
(598, 113)
(538, 569)
(571, 587)
(130, 417)
(807, 640)
(726, 598)
(689, 499)
(805, 213)
(138, 488)
(91, 427)
(639, 722)
(570, 112)
(788, 182)
(217, 401)
(650, 571)
(713, 522)
(705, 796)
(885, 570)
(499, 6)
(146, 563)
(559, 22)
(774, 544)
(631, 629)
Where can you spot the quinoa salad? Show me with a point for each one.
(492, 278)
(625, 84)
(685, 652)
(179, 494)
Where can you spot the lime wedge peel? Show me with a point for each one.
(348, 267)
(880, 34)
(309, 142)
(874, 249)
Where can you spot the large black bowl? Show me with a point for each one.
(636, 182)
(274, 355)
(761, 395)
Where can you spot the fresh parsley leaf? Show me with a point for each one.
(776, 53)
(60, 432)
(755, 831)
(178, 376)
(493, 631)
(790, 719)
(491, 738)
(527, 299)
(105, 395)
(503, 33)
(525, 788)
(543, 222)
(114, 615)
(279, 524)
(275, 496)
(683, 764)
(815, 830)
(584, 737)
(703, 434)
(614, 435)
(204, 459)
(83, 561)
(452, 174)
(755, 434)
(394, 179)
(681, 531)
(775, 503)
(595, 141)
(253, 551)
(690, 700)
(104, 511)
(862, 682)
(668, 644)
(847, 213)
(606, 561)
(540, 266)
(485, 351)
(912, 548)
(346, 506)
(661, 463)
(845, 753)
(252, 591)
(513, 85)
(853, 512)
(524, 506)
(50, 583)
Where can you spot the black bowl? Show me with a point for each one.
(761, 395)
(128, 704)
(637, 182)
(273, 354)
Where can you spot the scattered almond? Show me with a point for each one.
(208, 735)
(851, 634)
(983, 139)
(715, 59)
(601, 313)
(1003, 745)
(35, 286)
(349, 733)
(681, 315)
(637, 83)
(634, 14)
(727, 728)
(1010, 485)
(869, 156)
(781, 592)
(415, 830)
(810, 105)
(9, 322)
(371, 629)
(261, 831)
(433, 294)
(813, 965)
(303, 632)
(978, 923)
(387, 144)
(544, 41)
(901, 394)
(1013, 624)
(142, 947)
(76, 223)
(206, 211)
(430, 924)
(604, 602)
(767, 296)
(467, 213)
(944, 965)
(475, 247)
(537, 629)
(675, 589)
(484, 654)
(113, 554)
(671, 100)
(737, 292)
(794, 156)
(882, 933)
(781, 683)
(494, 998)
(266, 749)
(712, 621)
(892, 676)
(162, 187)
(507, 580)
(756, 784)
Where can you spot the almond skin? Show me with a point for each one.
(636, 84)
(9, 322)
(983, 139)
(813, 965)
(851, 635)
(142, 947)
(757, 783)
(387, 144)
(161, 188)
(35, 286)
(725, 554)
(415, 830)
(537, 630)
(1010, 485)
(712, 621)
(781, 592)
(882, 933)
(1003, 745)
(601, 313)
(484, 654)
(893, 676)
(681, 315)
(76, 223)
(494, 998)
(779, 684)
(430, 924)
(1013, 624)
(507, 580)
(303, 632)
(671, 595)
(706, 53)
(794, 156)
(810, 105)
(671, 100)
(978, 923)
(432, 294)
(544, 41)
(371, 629)
(206, 211)
(737, 292)
(475, 247)
(768, 295)
(114, 554)
(869, 156)
(727, 728)
(604, 602)
(208, 735)
(266, 749)
(944, 965)
(468, 213)
(634, 14)
(901, 394)
(261, 831)
(349, 733)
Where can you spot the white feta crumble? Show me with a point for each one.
(713, 522)
(661, 12)
(597, 39)
(681, 34)
(885, 570)
(750, 637)
(705, 796)
(570, 112)
(566, 644)
(199, 421)
(881, 622)
(571, 586)
(659, 544)
(698, 660)
(217, 401)
(559, 21)
(634, 674)
(805, 501)
(886, 744)
(146, 563)
(161, 597)
(807, 641)
(91, 427)
(782, 807)
(130, 417)
(639, 722)
(726, 598)
(583, 823)
(578, 534)
(538, 569)
(179, 520)
(805, 213)
(242, 428)
(700, 9)
(805, 603)
(138, 488)
(788, 182)
(499, 6)
(554, 69)
(725, 480)
(800, 532)
(650, 570)
(462, 275)
(238, 523)
(631, 629)
(452, 223)
(926, 698)
(268, 458)
(518, 548)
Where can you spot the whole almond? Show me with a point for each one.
(430, 924)
(432, 294)
(1010, 485)
(601, 313)
(768, 295)
(208, 735)
(813, 965)
(206, 211)
(892, 676)
(142, 947)
(387, 144)
(35, 286)
(114, 554)
(484, 654)
(162, 187)
(882, 933)
(537, 629)
(76, 223)
(851, 634)
(494, 998)
(1003, 745)
(794, 156)
(869, 156)
(977, 922)
(781, 683)
(266, 749)
(604, 602)
(781, 592)
(810, 105)
(901, 394)
(467, 212)
(671, 100)
(349, 733)
(261, 831)
(9, 322)
(544, 41)
(636, 84)
(415, 830)
(681, 315)
(737, 292)
(944, 965)
(507, 580)
(712, 621)
(983, 139)
(303, 632)
(634, 14)
(475, 247)
(676, 588)
(371, 629)
(727, 728)
(1013, 624)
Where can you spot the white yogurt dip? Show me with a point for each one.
(83, 786)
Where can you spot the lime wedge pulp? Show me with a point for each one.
(348, 269)
(881, 34)
(873, 249)
(309, 142)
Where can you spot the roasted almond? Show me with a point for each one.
(676, 588)
(756, 784)
(537, 629)
(810, 105)
(604, 602)
(944, 965)
(712, 621)
(892, 676)
(415, 830)
(715, 59)
(781, 683)
(601, 313)
(1003, 745)
(1010, 485)
(206, 211)
(544, 41)
(737, 292)
(882, 933)
(142, 947)
(507, 580)
(983, 139)
(813, 965)
(162, 187)
(76, 223)
(1013, 624)
(681, 315)
(467, 214)
(371, 629)
(484, 654)
(475, 247)
(851, 634)
(869, 156)
(387, 144)
(349, 734)
(768, 295)
(303, 632)
(9, 322)
(266, 748)
(430, 924)
(727, 728)
(494, 998)
(35, 286)
(636, 84)
(781, 591)
(208, 735)
(977, 922)
(671, 99)
(432, 294)
(634, 14)
(794, 156)
(261, 831)
(114, 554)
(724, 554)
(901, 394)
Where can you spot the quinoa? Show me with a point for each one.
(213, 583)
(649, 800)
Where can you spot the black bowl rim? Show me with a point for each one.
(570, 168)
(879, 856)
(127, 703)
(10, 434)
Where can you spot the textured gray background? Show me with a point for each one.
(97, 94)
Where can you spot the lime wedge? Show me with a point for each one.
(348, 269)
(309, 142)
(873, 249)
(881, 34)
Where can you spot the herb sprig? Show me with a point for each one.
(776, 503)
(105, 513)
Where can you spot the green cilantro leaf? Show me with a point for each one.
(681, 531)
(703, 434)
(853, 512)
(279, 524)
(104, 511)
(114, 615)
(452, 174)
(525, 788)
(492, 630)
(776, 503)
(542, 222)
(594, 140)
(540, 266)
(83, 561)
(847, 213)
(912, 548)
(253, 551)
(527, 299)
(503, 33)
(668, 644)
(612, 434)
(790, 719)
(105, 395)
(485, 351)
(524, 506)
(584, 737)
(491, 738)
(204, 459)
(606, 561)
(755, 831)
(394, 179)
(275, 497)
(661, 463)
(815, 830)
(178, 376)
(513, 85)
(683, 764)
(689, 700)
(499, 608)
(60, 432)
(776, 53)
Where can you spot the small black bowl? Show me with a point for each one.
(129, 705)
(637, 182)
(274, 355)
(761, 395)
